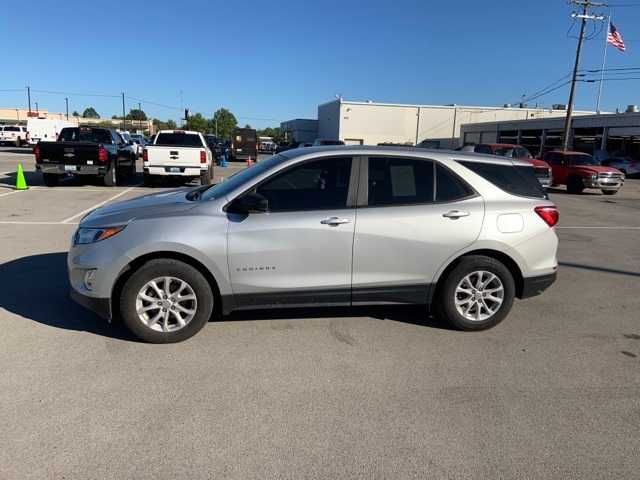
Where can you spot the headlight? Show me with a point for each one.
(92, 235)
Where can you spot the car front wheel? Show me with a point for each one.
(477, 294)
(166, 301)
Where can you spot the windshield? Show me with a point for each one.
(504, 152)
(221, 189)
(582, 159)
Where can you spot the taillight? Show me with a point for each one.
(36, 152)
(203, 156)
(103, 155)
(145, 155)
(549, 214)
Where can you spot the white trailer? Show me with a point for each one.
(46, 130)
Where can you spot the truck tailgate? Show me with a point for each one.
(69, 153)
(173, 156)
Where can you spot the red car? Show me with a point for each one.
(542, 168)
(578, 170)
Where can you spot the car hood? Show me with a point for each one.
(162, 204)
(536, 162)
(595, 169)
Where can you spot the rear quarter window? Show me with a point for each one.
(516, 180)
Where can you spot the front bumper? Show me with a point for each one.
(100, 306)
(603, 183)
(59, 169)
(533, 286)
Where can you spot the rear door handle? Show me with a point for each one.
(455, 214)
(333, 221)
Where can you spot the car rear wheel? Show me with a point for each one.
(166, 301)
(111, 176)
(50, 179)
(574, 185)
(205, 177)
(477, 294)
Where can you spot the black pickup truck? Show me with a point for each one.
(100, 152)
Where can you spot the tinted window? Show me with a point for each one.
(517, 180)
(315, 185)
(523, 153)
(449, 187)
(553, 158)
(178, 139)
(483, 149)
(11, 129)
(400, 181)
(91, 135)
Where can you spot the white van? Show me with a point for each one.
(46, 130)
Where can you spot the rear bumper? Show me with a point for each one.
(100, 306)
(59, 169)
(179, 171)
(533, 286)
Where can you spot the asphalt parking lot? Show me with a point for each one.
(552, 392)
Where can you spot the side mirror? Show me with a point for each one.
(250, 203)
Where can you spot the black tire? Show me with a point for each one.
(111, 176)
(50, 179)
(205, 177)
(609, 192)
(445, 307)
(161, 268)
(574, 185)
(148, 180)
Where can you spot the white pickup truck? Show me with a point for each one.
(177, 153)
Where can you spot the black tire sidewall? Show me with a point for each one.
(49, 179)
(111, 177)
(446, 308)
(159, 268)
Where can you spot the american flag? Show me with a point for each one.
(615, 39)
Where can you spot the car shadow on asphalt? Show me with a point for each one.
(563, 191)
(37, 288)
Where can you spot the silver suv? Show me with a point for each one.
(461, 233)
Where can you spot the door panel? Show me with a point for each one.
(399, 249)
(300, 252)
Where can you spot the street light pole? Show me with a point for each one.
(66, 101)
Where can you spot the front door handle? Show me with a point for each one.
(334, 221)
(453, 214)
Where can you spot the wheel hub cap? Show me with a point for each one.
(479, 296)
(166, 304)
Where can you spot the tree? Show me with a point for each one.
(161, 125)
(136, 114)
(247, 126)
(198, 123)
(90, 112)
(223, 122)
(75, 113)
(276, 133)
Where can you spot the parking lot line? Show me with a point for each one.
(9, 193)
(97, 205)
(17, 222)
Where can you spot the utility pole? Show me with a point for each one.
(124, 115)
(29, 98)
(66, 101)
(37, 110)
(584, 16)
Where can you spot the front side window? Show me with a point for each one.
(314, 185)
(400, 181)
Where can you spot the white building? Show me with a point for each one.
(372, 123)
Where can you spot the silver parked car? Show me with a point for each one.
(462, 233)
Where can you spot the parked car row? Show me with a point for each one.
(576, 170)
(15, 135)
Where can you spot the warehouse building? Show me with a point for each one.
(615, 133)
(300, 130)
(438, 126)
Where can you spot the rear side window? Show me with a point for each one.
(178, 139)
(400, 181)
(449, 187)
(516, 180)
(11, 129)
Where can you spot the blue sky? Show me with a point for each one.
(272, 61)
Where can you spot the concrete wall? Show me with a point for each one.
(373, 123)
(301, 129)
(329, 120)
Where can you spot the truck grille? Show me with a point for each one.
(610, 175)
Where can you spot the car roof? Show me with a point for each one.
(427, 153)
